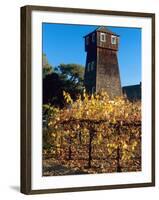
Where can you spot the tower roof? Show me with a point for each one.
(102, 29)
(106, 30)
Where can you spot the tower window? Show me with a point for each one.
(102, 37)
(113, 39)
(93, 37)
(87, 40)
(89, 67)
(93, 89)
(92, 65)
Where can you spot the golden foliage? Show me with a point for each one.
(111, 124)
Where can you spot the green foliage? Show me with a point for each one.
(66, 77)
(73, 74)
(49, 113)
(47, 68)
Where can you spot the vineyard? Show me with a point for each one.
(93, 134)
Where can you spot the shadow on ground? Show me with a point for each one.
(15, 188)
(53, 169)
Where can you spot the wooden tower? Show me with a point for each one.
(102, 70)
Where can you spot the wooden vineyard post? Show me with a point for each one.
(118, 150)
(69, 149)
(118, 160)
(90, 148)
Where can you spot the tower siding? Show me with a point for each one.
(107, 44)
(108, 77)
(105, 74)
(90, 75)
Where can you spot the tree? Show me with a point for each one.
(47, 68)
(53, 90)
(72, 74)
(65, 77)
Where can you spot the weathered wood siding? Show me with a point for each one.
(90, 75)
(107, 44)
(105, 74)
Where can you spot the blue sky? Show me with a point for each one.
(64, 43)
